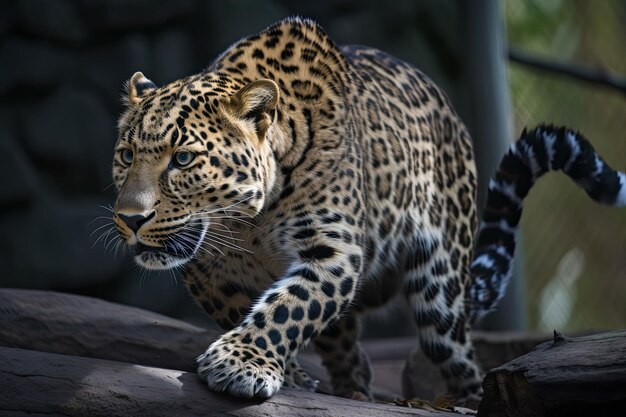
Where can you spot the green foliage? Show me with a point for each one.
(559, 217)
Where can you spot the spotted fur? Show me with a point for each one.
(298, 184)
(543, 149)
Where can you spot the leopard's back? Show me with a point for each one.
(419, 168)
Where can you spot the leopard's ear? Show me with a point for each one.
(256, 102)
(138, 87)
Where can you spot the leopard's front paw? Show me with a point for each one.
(241, 369)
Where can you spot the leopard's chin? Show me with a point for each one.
(174, 252)
(157, 260)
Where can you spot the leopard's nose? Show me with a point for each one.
(135, 221)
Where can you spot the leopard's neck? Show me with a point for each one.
(311, 72)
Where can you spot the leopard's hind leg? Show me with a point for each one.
(344, 357)
(435, 288)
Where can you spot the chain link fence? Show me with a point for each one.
(575, 249)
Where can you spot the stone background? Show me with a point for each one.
(62, 65)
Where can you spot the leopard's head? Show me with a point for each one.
(190, 154)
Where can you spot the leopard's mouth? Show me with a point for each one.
(175, 251)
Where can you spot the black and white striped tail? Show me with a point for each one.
(543, 149)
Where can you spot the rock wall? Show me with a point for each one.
(62, 66)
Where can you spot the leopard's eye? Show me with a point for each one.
(127, 155)
(183, 158)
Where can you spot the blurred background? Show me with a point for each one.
(505, 65)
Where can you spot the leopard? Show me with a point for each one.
(297, 184)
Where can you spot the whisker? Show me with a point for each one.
(173, 278)
(108, 208)
(226, 230)
(114, 242)
(120, 243)
(184, 246)
(143, 274)
(226, 241)
(229, 217)
(217, 209)
(212, 232)
(214, 247)
(229, 245)
(110, 228)
(100, 227)
(217, 218)
(231, 232)
(239, 220)
(103, 236)
(247, 223)
(190, 245)
(109, 186)
(109, 242)
(236, 203)
(108, 218)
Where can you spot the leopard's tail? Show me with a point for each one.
(543, 149)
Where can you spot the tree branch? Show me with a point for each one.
(580, 73)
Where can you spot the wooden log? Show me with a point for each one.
(567, 376)
(39, 383)
(76, 325)
(84, 326)
(493, 349)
